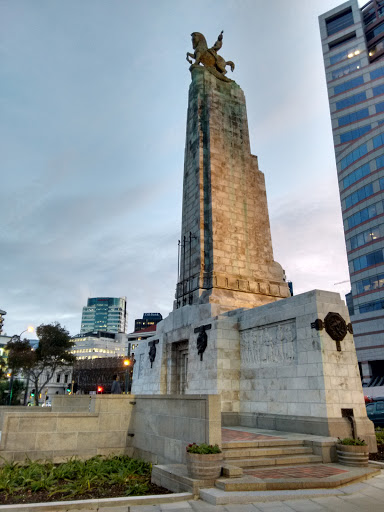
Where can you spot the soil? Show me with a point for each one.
(114, 491)
(379, 456)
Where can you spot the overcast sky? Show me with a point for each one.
(92, 129)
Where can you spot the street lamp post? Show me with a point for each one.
(17, 338)
(127, 363)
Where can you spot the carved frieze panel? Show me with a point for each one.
(270, 345)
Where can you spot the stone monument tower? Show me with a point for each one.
(225, 249)
(280, 364)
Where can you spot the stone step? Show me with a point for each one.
(262, 444)
(227, 490)
(276, 461)
(245, 453)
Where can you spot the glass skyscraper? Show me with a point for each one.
(353, 48)
(108, 314)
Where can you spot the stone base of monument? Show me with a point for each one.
(289, 365)
(241, 488)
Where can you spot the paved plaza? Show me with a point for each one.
(365, 496)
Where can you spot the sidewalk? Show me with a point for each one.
(367, 496)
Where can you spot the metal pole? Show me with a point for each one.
(190, 265)
(26, 392)
(10, 388)
(178, 269)
(184, 240)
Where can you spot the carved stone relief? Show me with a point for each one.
(271, 345)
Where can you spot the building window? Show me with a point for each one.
(58, 376)
(345, 70)
(361, 216)
(353, 156)
(351, 100)
(365, 237)
(370, 283)
(354, 116)
(356, 175)
(377, 73)
(66, 378)
(369, 16)
(359, 195)
(354, 134)
(368, 260)
(371, 34)
(349, 84)
(343, 55)
(339, 22)
(341, 40)
(378, 90)
(378, 140)
(372, 306)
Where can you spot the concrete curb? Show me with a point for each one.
(376, 463)
(89, 505)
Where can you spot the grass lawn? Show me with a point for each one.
(99, 477)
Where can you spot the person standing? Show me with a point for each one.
(116, 387)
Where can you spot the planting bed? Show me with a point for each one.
(95, 478)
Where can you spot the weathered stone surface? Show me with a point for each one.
(226, 252)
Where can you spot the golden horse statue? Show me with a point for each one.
(208, 57)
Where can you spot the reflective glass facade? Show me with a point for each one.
(107, 314)
(353, 49)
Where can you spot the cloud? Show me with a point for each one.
(308, 238)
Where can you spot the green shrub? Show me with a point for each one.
(203, 448)
(350, 441)
(75, 477)
(380, 436)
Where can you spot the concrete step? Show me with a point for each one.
(262, 443)
(276, 461)
(245, 453)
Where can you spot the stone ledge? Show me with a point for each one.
(175, 478)
(232, 471)
(90, 505)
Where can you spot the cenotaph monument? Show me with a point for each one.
(277, 362)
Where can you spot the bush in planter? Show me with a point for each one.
(350, 441)
(352, 452)
(204, 461)
(203, 448)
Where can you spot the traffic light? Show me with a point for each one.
(69, 390)
(33, 392)
(100, 389)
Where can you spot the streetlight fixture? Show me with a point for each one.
(16, 337)
(127, 364)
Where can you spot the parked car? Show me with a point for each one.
(375, 412)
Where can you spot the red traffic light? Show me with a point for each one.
(100, 389)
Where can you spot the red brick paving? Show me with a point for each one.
(318, 471)
(228, 436)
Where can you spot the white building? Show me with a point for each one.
(91, 345)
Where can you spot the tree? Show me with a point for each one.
(17, 388)
(40, 365)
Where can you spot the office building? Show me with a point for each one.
(107, 314)
(147, 320)
(353, 47)
(92, 345)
